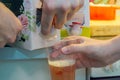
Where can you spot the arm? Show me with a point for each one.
(89, 52)
(115, 48)
(9, 26)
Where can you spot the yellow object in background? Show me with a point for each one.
(104, 1)
(104, 27)
(85, 32)
(101, 1)
(111, 1)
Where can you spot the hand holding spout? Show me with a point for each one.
(57, 12)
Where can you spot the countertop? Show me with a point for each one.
(19, 64)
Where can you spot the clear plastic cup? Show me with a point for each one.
(62, 67)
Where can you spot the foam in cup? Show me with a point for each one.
(62, 63)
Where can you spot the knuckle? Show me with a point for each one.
(45, 31)
(49, 6)
(19, 28)
(74, 7)
(64, 8)
(11, 39)
(77, 4)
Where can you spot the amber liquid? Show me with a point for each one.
(62, 72)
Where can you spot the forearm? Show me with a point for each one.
(114, 48)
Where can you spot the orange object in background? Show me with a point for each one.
(105, 12)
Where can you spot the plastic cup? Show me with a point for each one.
(62, 67)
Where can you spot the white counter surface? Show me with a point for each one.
(17, 64)
(29, 70)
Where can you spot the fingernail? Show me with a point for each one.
(64, 50)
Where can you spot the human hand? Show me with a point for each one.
(87, 52)
(9, 26)
(57, 13)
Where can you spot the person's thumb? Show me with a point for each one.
(74, 48)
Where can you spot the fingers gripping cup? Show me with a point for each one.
(62, 67)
